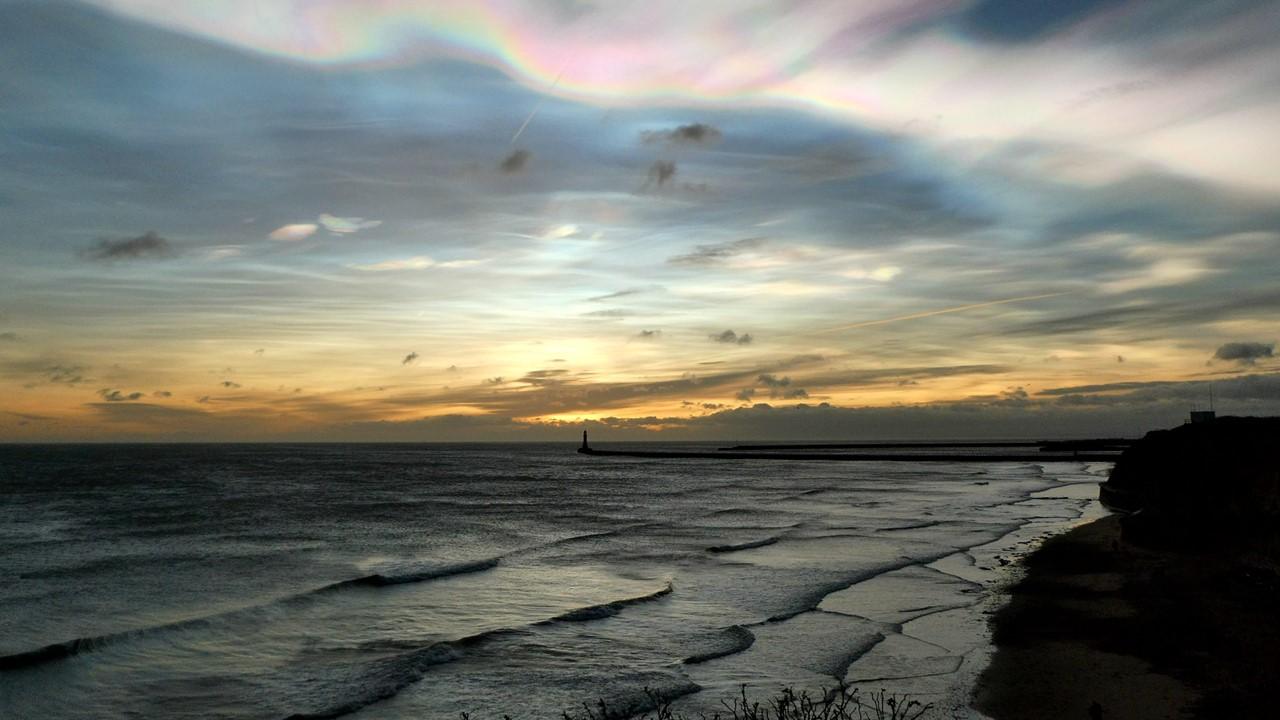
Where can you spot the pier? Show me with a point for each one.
(1048, 451)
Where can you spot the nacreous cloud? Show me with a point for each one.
(347, 225)
(297, 231)
(419, 262)
(1180, 84)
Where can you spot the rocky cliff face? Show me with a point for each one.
(1204, 483)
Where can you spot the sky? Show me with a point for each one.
(414, 220)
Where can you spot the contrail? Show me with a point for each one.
(943, 311)
(538, 105)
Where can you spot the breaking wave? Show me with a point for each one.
(605, 610)
(718, 549)
(70, 648)
(735, 639)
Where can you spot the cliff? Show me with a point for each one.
(1167, 611)
(1210, 483)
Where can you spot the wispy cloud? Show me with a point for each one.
(418, 262)
(716, 252)
(619, 294)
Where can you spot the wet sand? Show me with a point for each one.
(1101, 628)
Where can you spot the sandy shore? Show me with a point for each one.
(1101, 628)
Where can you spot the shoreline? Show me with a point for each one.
(1100, 627)
(941, 655)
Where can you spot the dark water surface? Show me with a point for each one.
(419, 581)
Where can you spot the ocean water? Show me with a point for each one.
(422, 581)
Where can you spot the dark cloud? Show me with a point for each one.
(730, 337)
(1245, 353)
(576, 392)
(451, 368)
(692, 134)
(260, 351)
(609, 313)
(515, 162)
(745, 394)
(162, 394)
(899, 375)
(543, 377)
(494, 380)
(8, 337)
(1148, 315)
(166, 418)
(1108, 387)
(716, 252)
(64, 374)
(780, 387)
(1258, 392)
(145, 246)
(116, 396)
(649, 334)
(409, 358)
(1013, 396)
(229, 384)
(661, 172)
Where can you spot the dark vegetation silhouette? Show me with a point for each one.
(840, 703)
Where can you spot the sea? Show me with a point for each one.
(425, 581)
